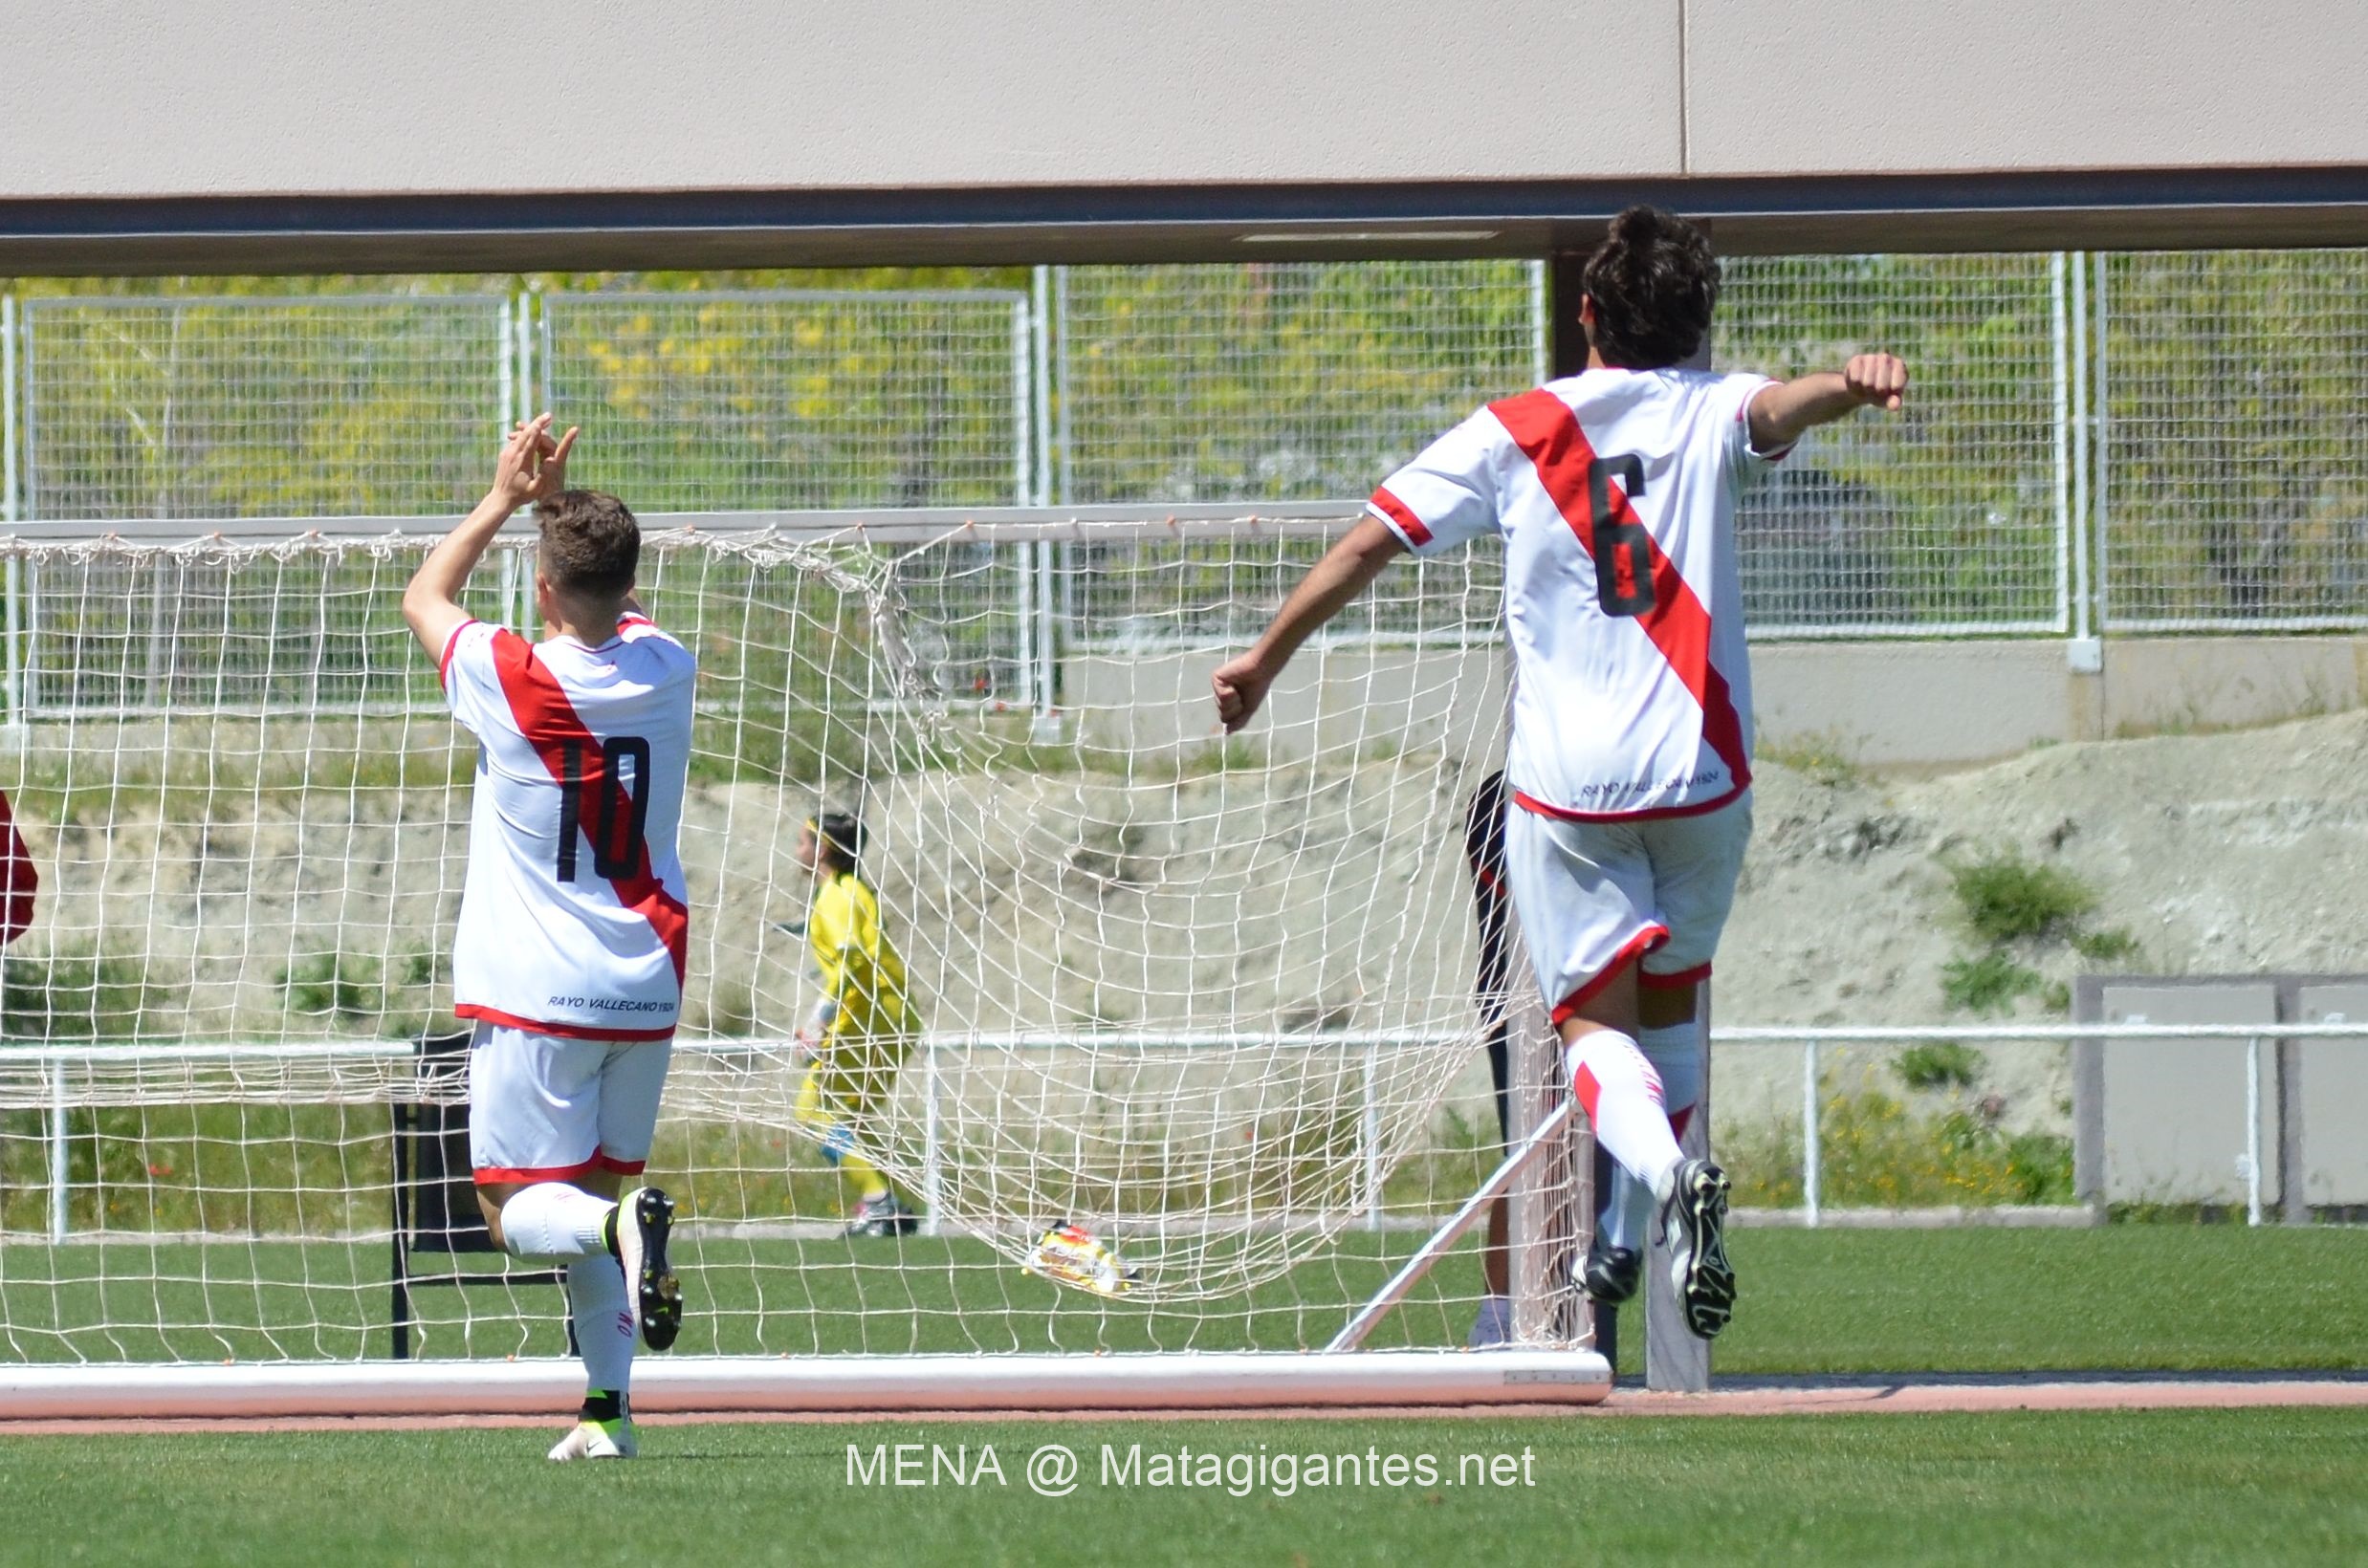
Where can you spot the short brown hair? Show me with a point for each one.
(590, 543)
(1655, 283)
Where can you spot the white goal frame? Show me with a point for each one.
(1551, 1362)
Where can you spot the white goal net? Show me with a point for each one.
(1210, 999)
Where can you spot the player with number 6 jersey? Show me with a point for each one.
(1629, 768)
(573, 922)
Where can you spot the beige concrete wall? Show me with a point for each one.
(223, 96)
(1998, 84)
(245, 95)
(1883, 704)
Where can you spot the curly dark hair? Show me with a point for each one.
(590, 543)
(1655, 283)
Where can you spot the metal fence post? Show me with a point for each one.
(2101, 505)
(1811, 1134)
(13, 675)
(2252, 1130)
(1369, 1125)
(932, 1153)
(1541, 327)
(2060, 410)
(58, 1164)
(8, 407)
(506, 358)
(2084, 627)
(524, 350)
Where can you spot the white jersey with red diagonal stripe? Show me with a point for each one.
(1615, 491)
(573, 919)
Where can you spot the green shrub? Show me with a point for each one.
(351, 994)
(1874, 1153)
(79, 996)
(1988, 984)
(1937, 1064)
(1820, 758)
(2113, 946)
(2007, 900)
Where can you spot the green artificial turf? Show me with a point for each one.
(2144, 1487)
(2131, 1297)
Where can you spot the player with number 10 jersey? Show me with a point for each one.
(574, 928)
(574, 920)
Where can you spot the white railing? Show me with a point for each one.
(388, 1063)
(1810, 1040)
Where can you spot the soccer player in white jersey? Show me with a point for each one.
(573, 921)
(1630, 766)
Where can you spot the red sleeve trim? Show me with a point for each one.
(623, 1167)
(1678, 981)
(1401, 516)
(494, 1175)
(558, 1031)
(451, 645)
(1630, 951)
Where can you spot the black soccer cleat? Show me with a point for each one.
(1610, 1275)
(885, 1215)
(1693, 1223)
(644, 1220)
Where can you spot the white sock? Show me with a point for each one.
(1675, 1050)
(603, 1327)
(1626, 1212)
(552, 1219)
(1622, 1097)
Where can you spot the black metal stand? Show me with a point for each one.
(435, 1196)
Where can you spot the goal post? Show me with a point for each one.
(1208, 998)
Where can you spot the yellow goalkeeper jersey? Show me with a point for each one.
(860, 968)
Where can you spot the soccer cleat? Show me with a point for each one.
(644, 1218)
(1693, 1224)
(1612, 1273)
(1492, 1326)
(596, 1440)
(885, 1215)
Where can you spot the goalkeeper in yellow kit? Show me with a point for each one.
(862, 1027)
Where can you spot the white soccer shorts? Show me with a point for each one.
(547, 1109)
(1593, 896)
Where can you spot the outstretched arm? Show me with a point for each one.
(531, 466)
(1344, 573)
(1782, 412)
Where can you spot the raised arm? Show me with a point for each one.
(531, 466)
(1782, 412)
(1346, 571)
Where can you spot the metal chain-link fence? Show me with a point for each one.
(1949, 516)
(2182, 429)
(2233, 455)
(788, 401)
(317, 407)
(1296, 381)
